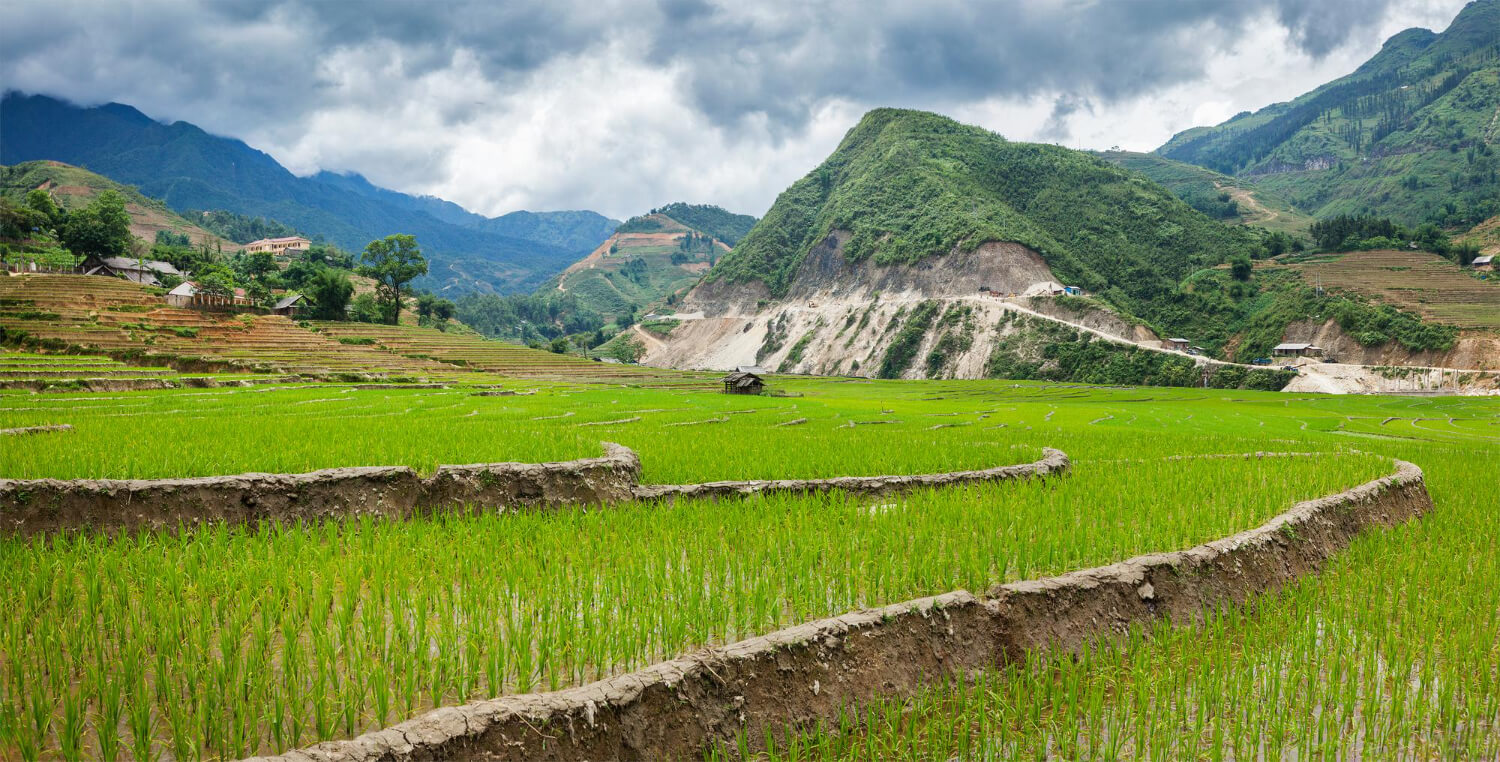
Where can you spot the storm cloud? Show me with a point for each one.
(620, 105)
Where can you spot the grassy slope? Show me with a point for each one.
(603, 281)
(1485, 235)
(1202, 188)
(73, 187)
(911, 184)
(1410, 134)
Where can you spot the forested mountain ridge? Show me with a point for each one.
(572, 230)
(923, 248)
(1411, 134)
(192, 169)
(908, 185)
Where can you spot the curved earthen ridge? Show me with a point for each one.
(35, 506)
(1052, 462)
(804, 675)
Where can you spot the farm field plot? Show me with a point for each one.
(90, 313)
(468, 350)
(1417, 281)
(43, 372)
(224, 642)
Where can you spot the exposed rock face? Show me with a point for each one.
(840, 317)
(1476, 350)
(807, 674)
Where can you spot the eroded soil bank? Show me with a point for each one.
(39, 506)
(803, 675)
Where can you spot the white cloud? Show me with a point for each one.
(625, 105)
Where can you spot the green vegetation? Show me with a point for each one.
(317, 625)
(240, 228)
(711, 220)
(902, 350)
(1221, 197)
(907, 185)
(1409, 135)
(394, 262)
(543, 316)
(1044, 350)
(1390, 651)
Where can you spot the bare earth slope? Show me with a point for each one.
(840, 317)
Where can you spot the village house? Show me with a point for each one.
(1181, 345)
(1485, 263)
(743, 383)
(281, 247)
(182, 295)
(288, 305)
(1295, 349)
(142, 271)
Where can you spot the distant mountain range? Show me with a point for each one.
(190, 169)
(1411, 134)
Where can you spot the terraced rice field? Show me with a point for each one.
(104, 315)
(224, 642)
(1417, 281)
(468, 350)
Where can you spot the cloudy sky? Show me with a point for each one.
(621, 105)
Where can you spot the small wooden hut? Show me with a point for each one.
(741, 382)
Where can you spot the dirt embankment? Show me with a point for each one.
(839, 317)
(39, 506)
(1053, 462)
(808, 674)
(1475, 350)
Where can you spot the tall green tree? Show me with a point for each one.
(330, 290)
(393, 261)
(41, 201)
(101, 229)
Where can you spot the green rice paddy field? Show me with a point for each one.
(230, 641)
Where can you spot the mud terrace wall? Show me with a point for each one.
(1052, 462)
(49, 505)
(37, 506)
(802, 675)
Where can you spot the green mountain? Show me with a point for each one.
(914, 188)
(1225, 198)
(908, 185)
(1411, 134)
(190, 169)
